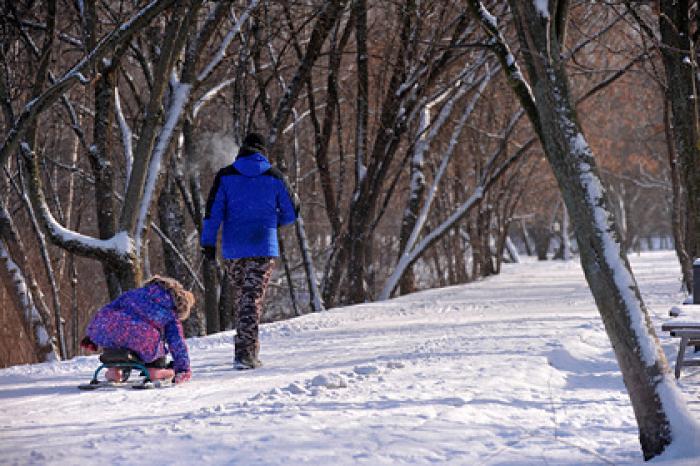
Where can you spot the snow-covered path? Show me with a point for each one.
(515, 369)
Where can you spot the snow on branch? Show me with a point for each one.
(447, 156)
(210, 94)
(116, 250)
(410, 256)
(180, 94)
(126, 134)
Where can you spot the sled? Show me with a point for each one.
(126, 360)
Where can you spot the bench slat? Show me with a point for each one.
(684, 333)
(668, 326)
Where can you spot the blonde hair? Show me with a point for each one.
(183, 299)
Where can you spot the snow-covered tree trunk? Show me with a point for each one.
(315, 299)
(657, 405)
(23, 290)
(527, 239)
(414, 248)
(415, 197)
(188, 178)
(512, 250)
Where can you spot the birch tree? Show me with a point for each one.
(23, 290)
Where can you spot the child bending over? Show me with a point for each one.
(147, 321)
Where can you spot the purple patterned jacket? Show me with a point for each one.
(143, 320)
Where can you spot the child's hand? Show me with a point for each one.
(88, 345)
(181, 377)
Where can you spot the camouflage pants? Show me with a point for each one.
(250, 277)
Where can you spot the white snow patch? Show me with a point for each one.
(685, 428)
(542, 7)
(331, 381)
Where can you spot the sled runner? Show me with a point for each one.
(127, 361)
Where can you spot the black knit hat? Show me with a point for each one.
(254, 142)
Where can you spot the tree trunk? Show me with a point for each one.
(415, 197)
(678, 217)
(645, 371)
(102, 169)
(681, 66)
(228, 309)
(23, 290)
(172, 223)
(211, 297)
(315, 300)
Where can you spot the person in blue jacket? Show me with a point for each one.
(251, 199)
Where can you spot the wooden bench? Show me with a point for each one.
(686, 326)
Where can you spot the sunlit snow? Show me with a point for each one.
(514, 369)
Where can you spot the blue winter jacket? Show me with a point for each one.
(251, 199)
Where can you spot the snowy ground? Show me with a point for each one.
(512, 370)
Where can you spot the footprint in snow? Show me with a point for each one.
(366, 370)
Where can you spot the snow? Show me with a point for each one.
(81, 77)
(210, 94)
(486, 15)
(407, 257)
(514, 369)
(119, 243)
(542, 7)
